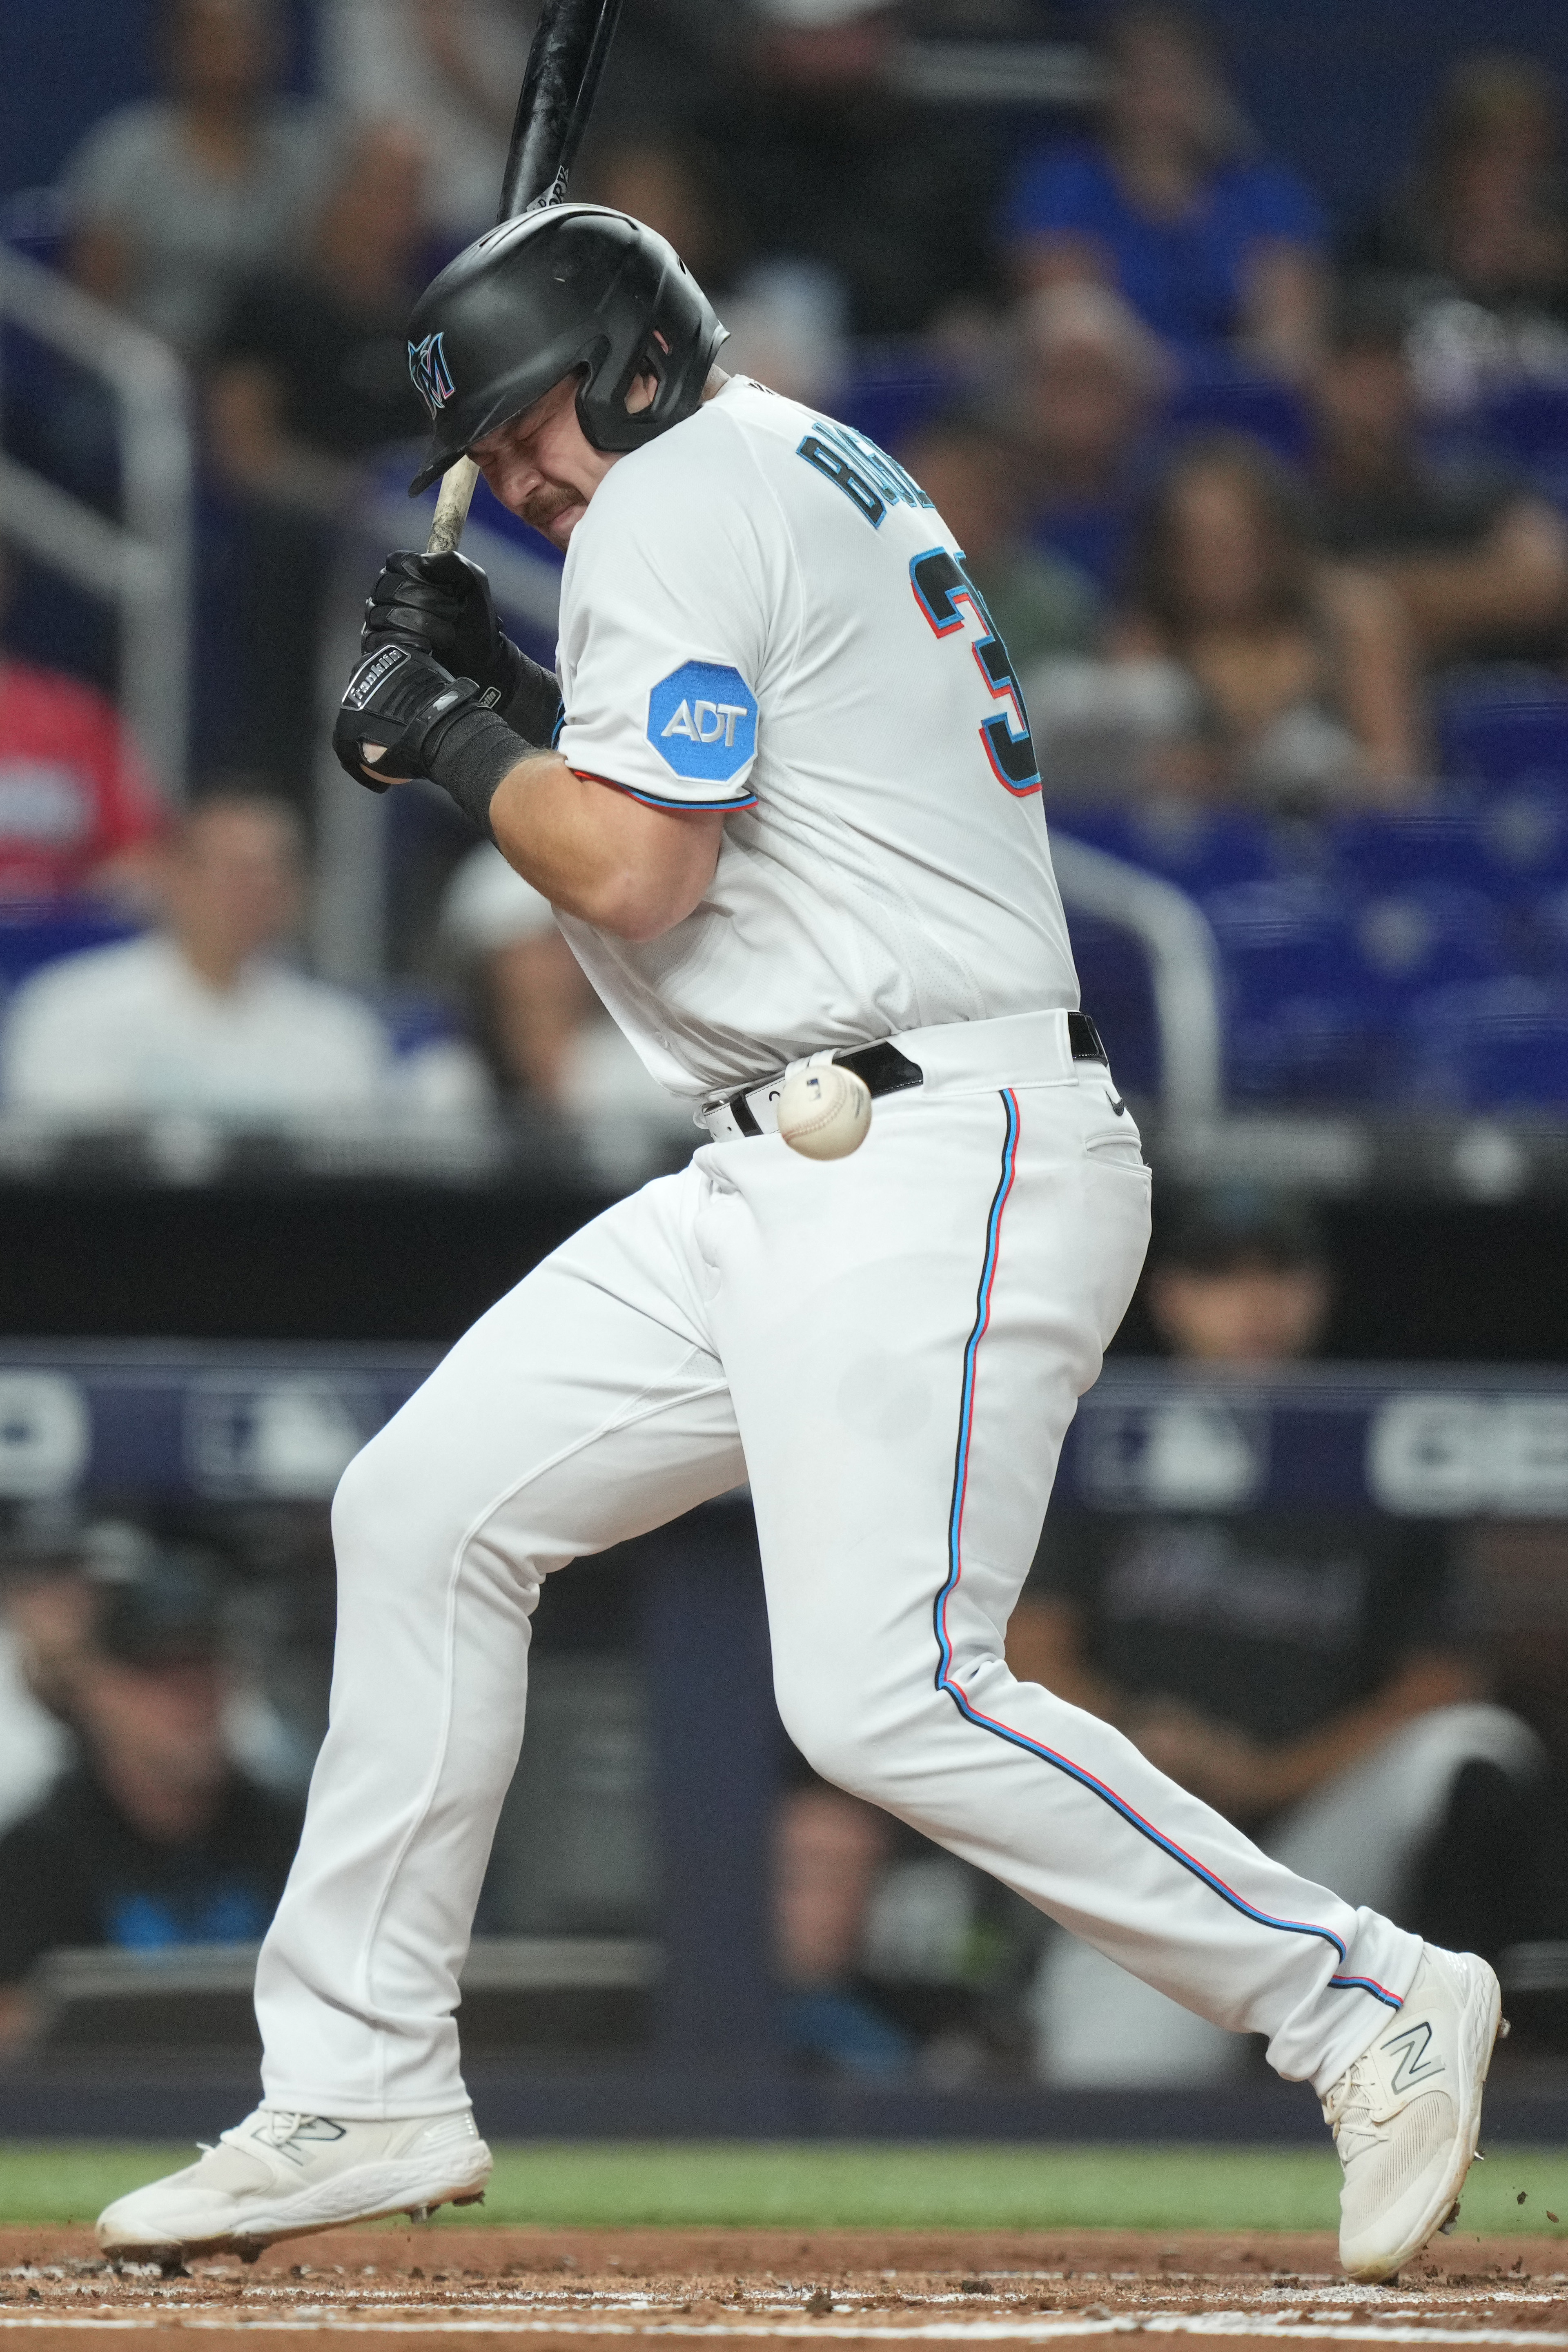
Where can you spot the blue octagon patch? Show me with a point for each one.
(702, 721)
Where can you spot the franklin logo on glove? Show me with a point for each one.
(371, 674)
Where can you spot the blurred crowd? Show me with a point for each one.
(1244, 488)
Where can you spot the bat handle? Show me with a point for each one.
(452, 507)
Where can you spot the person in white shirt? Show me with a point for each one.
(791, 818)
(201, 1016)
(448, 68)
(174, 201)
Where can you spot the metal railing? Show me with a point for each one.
(1184, 969)
(142, 565)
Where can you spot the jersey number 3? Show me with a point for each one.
(942, 586)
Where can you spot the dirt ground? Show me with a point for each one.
(413, 2285)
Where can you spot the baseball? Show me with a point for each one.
(824, 1112)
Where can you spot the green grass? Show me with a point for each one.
(812, 2185)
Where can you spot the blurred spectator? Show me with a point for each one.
(309, 366)
(1307, 1675)
(1479, 562)
(828, 162)
(785, 315)
(78, 812)
(828, 1851)
(675, 185)
(200, 1016)
(549, 1040)
(1208, 242)
(1088, 378)
(155, 1838)
(310, 378)
(1041, 604)
(1290, 679)
(451, 69)
(1478, 237)
(45, 1608)
(174, 201)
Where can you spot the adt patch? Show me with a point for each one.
(702, 721)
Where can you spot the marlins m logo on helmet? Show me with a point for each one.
(432, 379)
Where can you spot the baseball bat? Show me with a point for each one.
(566, 60)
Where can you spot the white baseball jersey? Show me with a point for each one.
(763, 613)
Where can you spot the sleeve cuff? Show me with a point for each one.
(668, 800)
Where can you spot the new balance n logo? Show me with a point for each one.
(1414, 2064)
(292, 2135)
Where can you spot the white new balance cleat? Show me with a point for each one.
(278, 2175)
(1406, 2117)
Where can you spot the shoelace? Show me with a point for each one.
(1347, 2111)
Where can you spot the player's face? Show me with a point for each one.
(542, 466)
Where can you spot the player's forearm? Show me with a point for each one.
(598, 854)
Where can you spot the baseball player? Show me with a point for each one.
(785, 804)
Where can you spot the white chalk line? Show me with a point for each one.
(1031, 2331)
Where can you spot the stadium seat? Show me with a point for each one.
(1298, 1024)
(1198, 850)
(1492, 734)
(32, 935)
(1499, 1044)
(1372, 855)
(895, 387)
(1113, 981)
(1425, 934)
(1213, 400)
(1527, 424)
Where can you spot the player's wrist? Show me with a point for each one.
(470, 754)
(530, 697)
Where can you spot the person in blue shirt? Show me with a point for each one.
(1211, 244)
(1088, 381)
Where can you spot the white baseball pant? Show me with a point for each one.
(890, 1348)
(1364, 1829)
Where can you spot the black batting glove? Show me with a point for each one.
(442, 606)
(403, 716)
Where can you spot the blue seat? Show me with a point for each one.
(896, 386)
(1198, 850)
(34, 934)
(1302, 1019)
(1372, 855)
(1494, 1044)
(1492, 736)
(1527, 423)
(1113, 978)
(1320, 1048)
(1423, 935)
(1212, 399)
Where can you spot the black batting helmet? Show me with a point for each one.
(570, 286)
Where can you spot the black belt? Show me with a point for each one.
(887, 1071)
